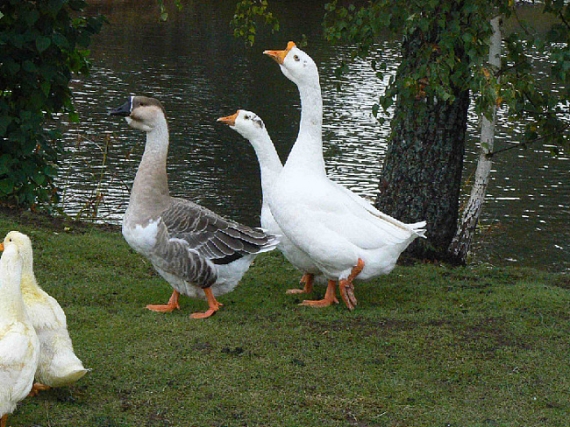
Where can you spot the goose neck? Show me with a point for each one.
(269, 162)
(311, 109)
(150, 187)
(11, 301)
(309, 146)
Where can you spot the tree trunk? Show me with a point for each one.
(421, 176)
(462, 241)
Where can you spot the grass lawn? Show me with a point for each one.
(427, 345)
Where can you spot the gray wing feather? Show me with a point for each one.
(211, 235)
(175, 257)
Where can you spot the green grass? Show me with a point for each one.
(427, 345)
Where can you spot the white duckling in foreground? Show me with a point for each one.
(58, 365)
(344, 235)
(19, 343)
(194, 249)
(251, 127)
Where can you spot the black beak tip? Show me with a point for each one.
(115, 112)
(124, 110)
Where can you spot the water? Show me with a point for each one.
(200, 72)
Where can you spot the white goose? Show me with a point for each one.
(195, 250)
(251, 127)
(58, 365)
(344, 235)
(19, 344)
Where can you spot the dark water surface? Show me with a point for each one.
(200, 72)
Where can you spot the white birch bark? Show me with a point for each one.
(462, 241)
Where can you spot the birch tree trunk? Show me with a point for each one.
(462, 241)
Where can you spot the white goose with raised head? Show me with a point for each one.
(251, 127)
(19, 343)
(344, 235)
(58, 365)
(198, 252)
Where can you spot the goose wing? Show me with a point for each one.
(416, 228)
(213, 236)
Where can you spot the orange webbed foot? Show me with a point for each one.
(213, 304)
(346, 287)
(208, 313)
(319, 303)
(168, 307)
(307, 280)
(36, 388)
(329, 299)
(347, 294)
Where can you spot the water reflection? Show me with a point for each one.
(200, 72)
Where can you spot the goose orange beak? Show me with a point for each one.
(1, 247)
(279, 55)
(229, 120)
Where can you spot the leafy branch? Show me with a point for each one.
(246, 17)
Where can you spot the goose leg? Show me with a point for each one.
(212, 302)
(329, 299)
(307, 280)
(168, 307)
(3, 420)
(346, 286)
(36, 388)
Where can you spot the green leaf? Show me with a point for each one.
(12, 67)
(29, 66)
(6, 186)
(375, 109)
(46, 86)
(39, 178)
(73, 117)
(5, 164)
(4, 123)
(60, 41)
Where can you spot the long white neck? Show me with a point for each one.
(11, 301)
(149, 194)
(269, 162)
(308, 149)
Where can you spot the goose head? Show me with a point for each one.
(247, 124)
(295, 64)
(142, 113)
(24, 246)
(11, 259)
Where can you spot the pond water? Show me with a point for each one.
(200, 72)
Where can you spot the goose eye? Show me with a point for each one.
(296, 58)
(247, 117)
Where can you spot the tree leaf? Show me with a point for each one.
(42, 43)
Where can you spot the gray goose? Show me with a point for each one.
(200, 253)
